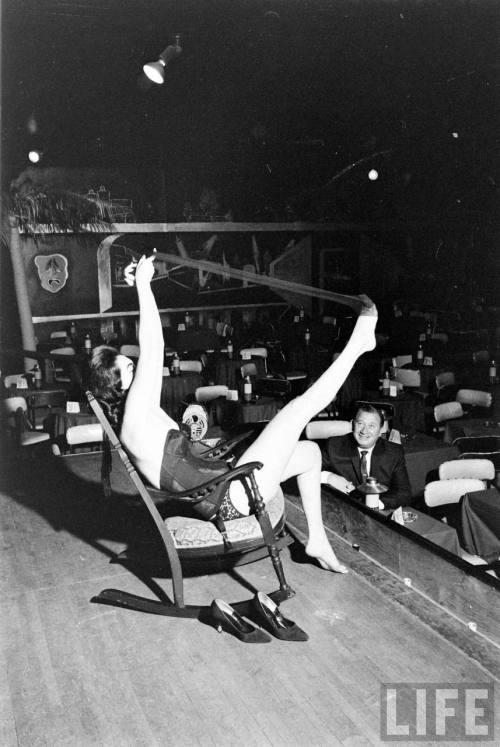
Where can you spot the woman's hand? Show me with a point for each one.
(140, 273)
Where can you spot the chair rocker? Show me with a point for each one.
(238, 542)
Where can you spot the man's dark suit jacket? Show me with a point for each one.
(341, 455)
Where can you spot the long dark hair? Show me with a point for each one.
(106, 384)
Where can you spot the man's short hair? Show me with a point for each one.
(372, 410)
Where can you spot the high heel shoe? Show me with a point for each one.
(268, 614)
(224, 617)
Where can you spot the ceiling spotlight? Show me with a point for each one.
(155, 71)
(373, 175)
(35, 156)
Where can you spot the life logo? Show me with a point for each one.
(423, 711)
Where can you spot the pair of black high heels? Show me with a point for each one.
(264, 612)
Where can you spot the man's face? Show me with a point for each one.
(366, 429)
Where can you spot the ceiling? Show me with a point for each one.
(279, 103)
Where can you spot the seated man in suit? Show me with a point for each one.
(350, 458)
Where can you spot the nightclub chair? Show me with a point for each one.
(41, 404)
(446, 389)
(399, 361)
(59, 335)
(211, 392)
(212, 397)
(482, 469)
(191, 366)
(479, 447)
(266, 386)
(18, 425)
(62, 373)
(16, 381)
(456, 479)
(249, 353)
(188, 543)
(474, 401)
(444, 492)
(409, 378)
(444, 412)
(87, 435)
(318, 429)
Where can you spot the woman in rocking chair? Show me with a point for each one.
(162, 453)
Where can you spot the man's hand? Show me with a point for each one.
(337, 482)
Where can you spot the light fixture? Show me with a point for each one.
(155, 71)
(35, 155)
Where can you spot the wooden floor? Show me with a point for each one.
(76, 673)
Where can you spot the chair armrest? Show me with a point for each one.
(198, 493)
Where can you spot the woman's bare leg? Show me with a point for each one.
(276, 446)
(306, 458)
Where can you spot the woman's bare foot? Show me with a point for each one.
(326, 557)
(363, 336)
(368, 308)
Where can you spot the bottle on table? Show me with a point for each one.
(73, 331)
(307, 337)
(247, 389)
(428, 330)
(186, 319)
(420, 353)
(37, 376)
(493, 372)
(393, 388)
(88, 344)
(230, 349)
(386, 384)
(176, 365)
(302, 313)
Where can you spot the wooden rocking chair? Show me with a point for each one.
(241, 541)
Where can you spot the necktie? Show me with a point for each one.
(364, 466)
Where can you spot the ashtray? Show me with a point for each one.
(409, 516)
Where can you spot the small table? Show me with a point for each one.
(261, 410)
(478, 523)
(470, 427)
(433, 530)
(175, 389)
(197, 339)
(228, 371)
(423, 455)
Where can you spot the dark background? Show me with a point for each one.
(267, 104)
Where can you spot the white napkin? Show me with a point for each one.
(397, 516)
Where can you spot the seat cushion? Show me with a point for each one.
(191, 532)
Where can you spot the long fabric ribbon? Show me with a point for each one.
(268, 280)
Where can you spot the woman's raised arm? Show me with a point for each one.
(145, 389)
